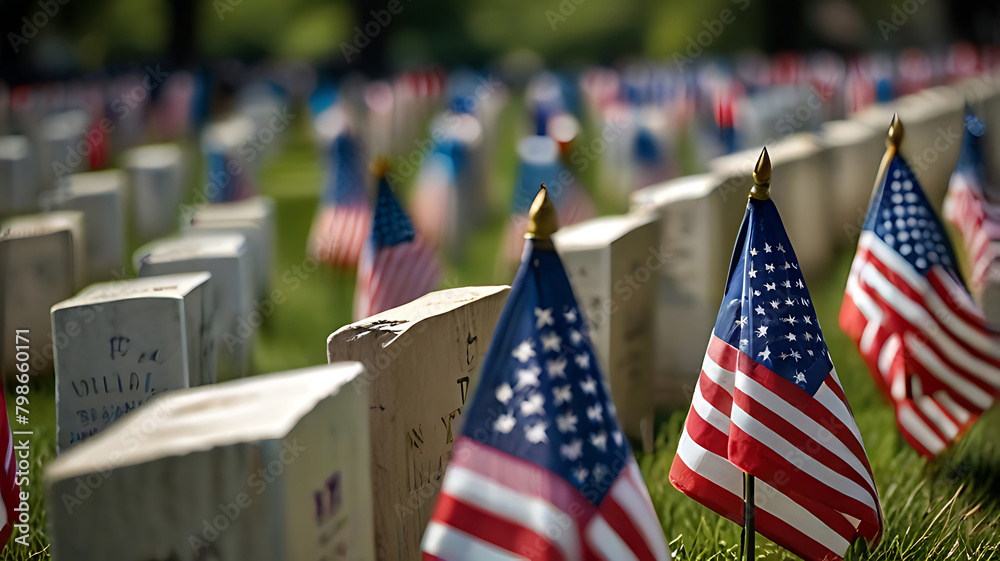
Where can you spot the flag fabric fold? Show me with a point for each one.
(9, 489)
(924, 340)
(768, 403)
(542, 470)
(396, 266)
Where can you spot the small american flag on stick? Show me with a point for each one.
(396, 266)
(924, 340)
(542, 470)
(768, 404)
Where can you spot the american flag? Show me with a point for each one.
(924, 340)
(968, 205)
(768, 403)
(344, 221)
(542, 470)
(396, 266)
(435, 202)
(9, 489)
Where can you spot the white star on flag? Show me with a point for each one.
(766, 353)
(753, 252)
(562, 394)
(769, 285)
(583, 360)
(551, 341)
(570, 316)
(599, 440)
(767, 248)
(769, 267)
(790, 320)
(742, 322)
(795, 355)
(566, 422)
(800, 378)
(556, 368)
(807, 319)
(504, 423)
(527, 377)
(789, 301)
(790, 336)
(504, 393)
(595, 413)
(753, 273)
(575, 336)
(536, 433)
(589, 386)
(534, 405)
(781, 248)
(544, 317)
(759, 310)
(761, 331)
(573, 450)
(774, 304)
(523, 352)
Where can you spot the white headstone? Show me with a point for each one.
(853, 153)
(226, 257)
(122, 342)
(270, 467)
(156, 188)
(40, 259)
(18, 176)
(698, 226)
(64, 150)
(99, 196)
(614, 265)
(254, 218)
(422, 364)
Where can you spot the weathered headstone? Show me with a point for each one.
(122, 342)
(156, 188)
(422, 364)
(99, 196)
(271, 467)
(853, 153)
(65, 148)
(40, 259)
(698, 218)
(227, 257)
(613, 264)
(989, 291)
(254, 218)
(18, 176)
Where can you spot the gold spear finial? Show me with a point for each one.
(895, 136)
(379, 166)
(761, 189)
(542, 218)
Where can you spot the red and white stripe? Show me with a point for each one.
(495, 506)
(338, 234)
(934, 354)
(814, 492)
(9, 490)
(977, 220)
(393, 276)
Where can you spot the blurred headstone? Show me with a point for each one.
(156, 188)
(699, 216)
(271, 467)
(18, 176)
(254, 218)
(614, 265)
(65, 149)
(99, 196)
(41, 258)
(422, 363)
(125, 341)
(853, 152)
(227, 257)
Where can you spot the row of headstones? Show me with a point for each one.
(342, 461)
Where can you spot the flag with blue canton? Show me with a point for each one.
(925, 342)
(344, 219)
(396, 266)
(768, 403)
(542, 469)
(971, 203)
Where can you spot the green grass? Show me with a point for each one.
(946, 509)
